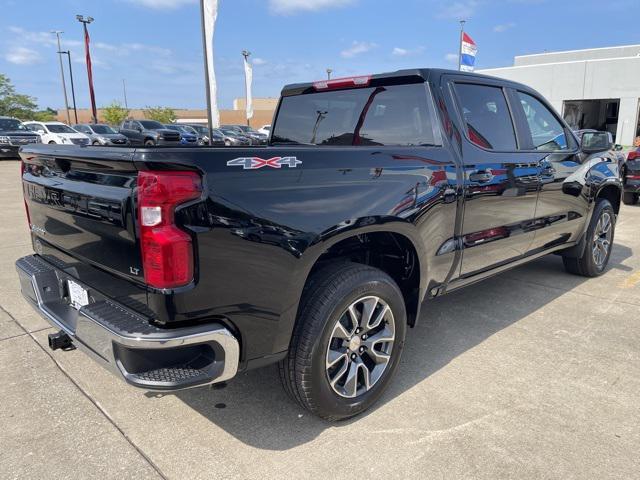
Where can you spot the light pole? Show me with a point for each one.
(86, 21)
(64, 85)
(73, 90)
(329, 72)
(245, 54)
(124, 91)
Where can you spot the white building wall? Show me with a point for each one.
(576, 55)
(582, 80)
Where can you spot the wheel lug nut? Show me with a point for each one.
(353, 356)
(361, 349)
(364, 337)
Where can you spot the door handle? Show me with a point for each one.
(480, 176)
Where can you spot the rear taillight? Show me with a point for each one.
(23, 169)
(167, 251)
(633, 155)
(346, 82)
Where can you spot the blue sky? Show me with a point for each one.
(156, 45)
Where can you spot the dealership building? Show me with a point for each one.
(595, 88)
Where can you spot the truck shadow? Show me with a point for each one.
(254, 408)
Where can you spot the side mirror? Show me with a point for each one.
(40, 131)
(594, 142)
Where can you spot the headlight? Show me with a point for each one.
(4, 139)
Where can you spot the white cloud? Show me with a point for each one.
(503, 27)
(459, 10)
(126, 48)
(405, 52)
(22, 56)
(451, 58)
(259, 61)
(41, 38)
(357, 48)
(286, 7)
(163, 4)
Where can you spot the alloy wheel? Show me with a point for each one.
(602, 239)
(360, 347)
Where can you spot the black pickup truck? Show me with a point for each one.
(177, 268)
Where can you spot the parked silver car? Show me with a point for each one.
(101, 134)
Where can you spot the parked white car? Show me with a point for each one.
(265, 129)
(57, 132)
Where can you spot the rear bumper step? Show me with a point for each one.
(124, 341)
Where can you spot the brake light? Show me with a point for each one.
(167, 251)
(346, 82)
(633, 155)
(23, 169)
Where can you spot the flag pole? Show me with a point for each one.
(206, 73)
(245, 54)
(462, 22)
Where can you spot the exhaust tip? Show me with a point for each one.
(59, 340)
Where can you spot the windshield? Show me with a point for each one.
(228, 131)
(150, 124)
(188, 129)
(11, 124)
(59, 128)
(173, 127)
(104, 129)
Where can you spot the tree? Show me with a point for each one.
(45, 115)
(115, 113)
(160, 114)
(13, 104)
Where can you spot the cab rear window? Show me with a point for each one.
(376, 116)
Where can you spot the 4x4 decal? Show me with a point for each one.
(252, 163)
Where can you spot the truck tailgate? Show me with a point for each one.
(80, 200)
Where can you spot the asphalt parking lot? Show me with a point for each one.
(531, 374)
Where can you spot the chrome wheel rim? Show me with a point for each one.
(360, 347)
(602, 239)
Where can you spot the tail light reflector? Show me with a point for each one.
(346, 82)
(167, 251)
(633, 155)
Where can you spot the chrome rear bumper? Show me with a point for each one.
(123, 340)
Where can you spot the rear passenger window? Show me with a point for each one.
(547, 133)
(386, 115)
(487, 116)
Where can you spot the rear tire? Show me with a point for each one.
(149, 143)
(333, 325)
(629, 198)
(599, 239)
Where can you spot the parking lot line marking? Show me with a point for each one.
(631, 281)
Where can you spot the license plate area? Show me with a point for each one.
(78, 295)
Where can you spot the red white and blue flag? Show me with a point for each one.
(468, 50)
